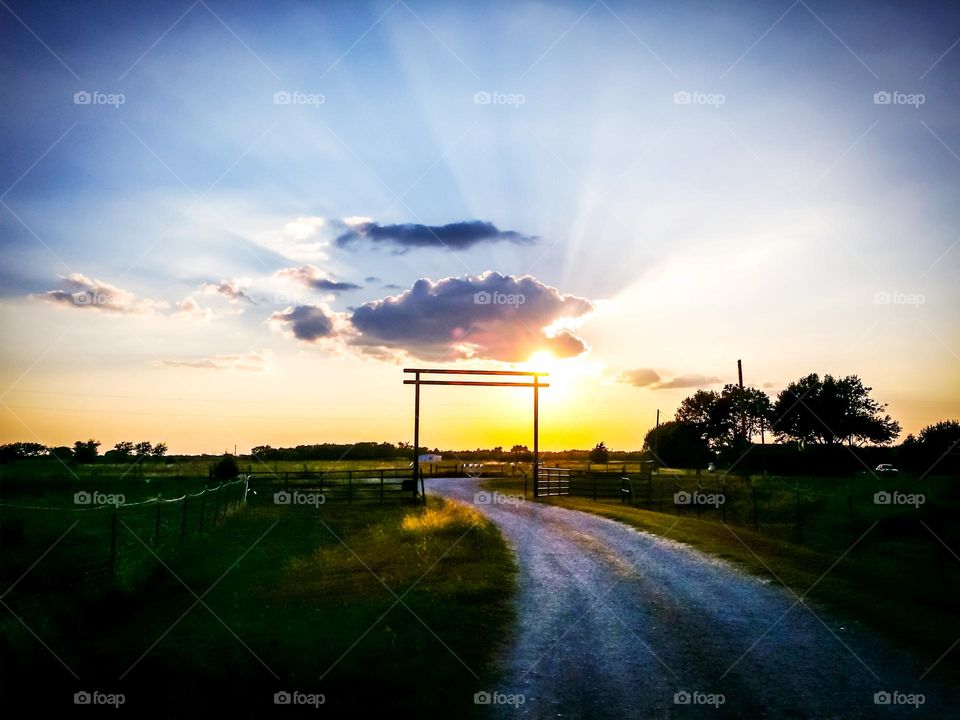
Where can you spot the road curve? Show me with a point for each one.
(614, 623)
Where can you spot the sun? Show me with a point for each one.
(542, 360)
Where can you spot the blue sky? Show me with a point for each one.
(764, 217)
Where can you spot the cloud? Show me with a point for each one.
(688, 380)
(305, 238)
(640, 377)
(490, 316)
(85, 292)
(372, 279)
(189, 309)
(314, 277)
(230, 289)
(453, 236)
(251, 362)
(309, 323)
(650, 378)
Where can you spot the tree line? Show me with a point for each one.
(816, 423)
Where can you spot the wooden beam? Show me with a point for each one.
(474, 383)
(474, 372)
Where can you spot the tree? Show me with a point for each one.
(143, 448)
(936, 448)
(21, 450)
(159, 450)
(677, 444)
(726, 420)
(85, 452)
(831, 411)
(123, 450)
(226, 468)
(599, 454)
(63, 453)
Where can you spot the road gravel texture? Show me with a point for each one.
(617, 623)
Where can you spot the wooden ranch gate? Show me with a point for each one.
(417, 382)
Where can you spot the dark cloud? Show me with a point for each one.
(640, 377)
(492, 316)
(312, 276)
(93, 294)
(371, 279)
(309, 323)
(231, 289)
(453, 236)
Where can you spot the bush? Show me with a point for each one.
(226, 468)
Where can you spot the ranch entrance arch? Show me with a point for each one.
(417, 382)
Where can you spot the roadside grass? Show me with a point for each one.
(901, 583)
(293, 599)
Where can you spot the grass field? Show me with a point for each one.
(293, 599)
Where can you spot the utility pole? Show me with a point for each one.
(743, 417)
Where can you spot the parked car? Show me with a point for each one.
(886, 469)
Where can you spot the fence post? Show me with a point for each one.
(216, 508)
(756, 520)
(203, 507)
(381, 487)
(594, 488)
(350, 486)
(113, 544)
(156, 528)
(799, 514)
(183, 519)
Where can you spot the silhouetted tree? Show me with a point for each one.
(21, 450)
(226, 468)
(143, 448)
(600, 454)
(159, 450)
(677, 444)
(122, 451)
(86, 452)
(831, 411)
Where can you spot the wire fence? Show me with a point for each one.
(103, 540)
(878, 516)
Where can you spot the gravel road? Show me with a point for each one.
(614, 623)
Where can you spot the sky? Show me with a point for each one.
(233, 224)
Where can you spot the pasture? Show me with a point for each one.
(354, 603)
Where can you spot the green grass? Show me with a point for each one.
(309, 592)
